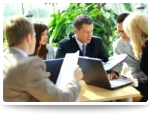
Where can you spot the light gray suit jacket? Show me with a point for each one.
(26, 80)
(119, 47)
(50, 54)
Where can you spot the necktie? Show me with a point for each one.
(83, 49)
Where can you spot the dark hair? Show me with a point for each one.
(82, 19)
(122, 17)
(40, 51)
(16, 29)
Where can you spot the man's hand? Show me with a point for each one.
(134, 80)
(78, 74)
(112, 75)
(48, 74)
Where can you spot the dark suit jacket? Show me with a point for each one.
(144, 59)
(143, 82)
(94, 49)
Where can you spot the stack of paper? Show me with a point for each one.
(114, 60)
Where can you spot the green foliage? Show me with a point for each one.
(61, 24)
(4, 40)
(104, 22)
(5, 45)
(4, 35)
(127, 6)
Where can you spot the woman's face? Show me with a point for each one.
(44, 37)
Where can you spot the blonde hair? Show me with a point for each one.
(16, 29)
(136, 28)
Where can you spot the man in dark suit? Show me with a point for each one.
(83, 28)
(94, 49)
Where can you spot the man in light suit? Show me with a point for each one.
(122, 45)
(25, 78)
(83, 28)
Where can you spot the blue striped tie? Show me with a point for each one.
(83, 49)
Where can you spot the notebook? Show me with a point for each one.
(95, 74)
(53, 66)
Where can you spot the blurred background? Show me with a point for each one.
(59, 18)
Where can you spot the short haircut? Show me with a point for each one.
(122, 17)
(82, 19)
(16, 29)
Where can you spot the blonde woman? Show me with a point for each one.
(136, 28)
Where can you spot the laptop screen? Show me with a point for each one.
(95, 74)
(93, 71)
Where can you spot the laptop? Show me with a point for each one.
(53, 66)
(95, 74)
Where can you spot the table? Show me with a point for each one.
(91, 93)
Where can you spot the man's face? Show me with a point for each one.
(84, 35)
(121, 32)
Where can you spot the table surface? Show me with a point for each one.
(91, 93)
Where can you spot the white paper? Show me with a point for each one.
(113, 61)
(67, 69)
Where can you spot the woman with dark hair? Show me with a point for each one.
(42, 49)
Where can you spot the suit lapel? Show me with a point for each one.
(75, 46)
(89, 48)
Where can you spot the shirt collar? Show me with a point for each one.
(79, 43)
(20, 51)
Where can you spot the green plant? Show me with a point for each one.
(4, 40)
(104, 22)
(127, 6)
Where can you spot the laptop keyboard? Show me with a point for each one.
(119, 81)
